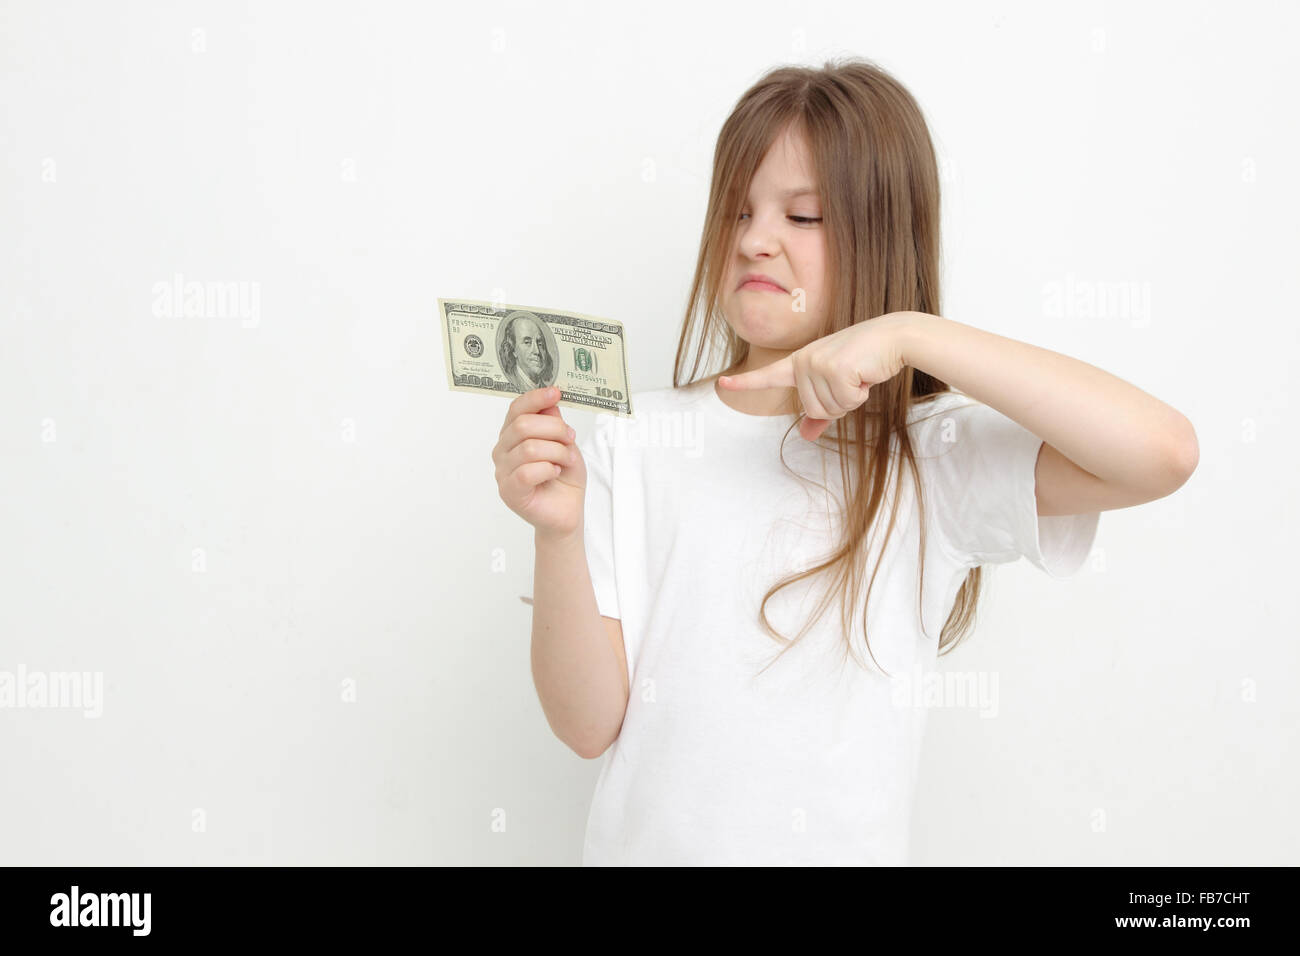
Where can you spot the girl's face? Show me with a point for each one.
(780, 236)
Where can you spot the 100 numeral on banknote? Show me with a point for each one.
(507, 350)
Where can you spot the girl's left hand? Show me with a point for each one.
(835, 373)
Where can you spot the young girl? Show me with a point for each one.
(671, 565)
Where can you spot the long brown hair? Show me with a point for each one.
(879, 186)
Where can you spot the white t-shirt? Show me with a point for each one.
(690, 517)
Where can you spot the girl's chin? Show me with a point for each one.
(764, 335)
(761, 324)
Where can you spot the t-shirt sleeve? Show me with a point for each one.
(598, 515)
(981, 466)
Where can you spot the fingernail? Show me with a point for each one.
(572, 433)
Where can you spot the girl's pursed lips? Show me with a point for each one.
(759, 281)
(754, 285)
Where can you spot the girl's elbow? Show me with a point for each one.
(1183, 457)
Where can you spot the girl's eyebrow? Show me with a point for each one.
(797, 191)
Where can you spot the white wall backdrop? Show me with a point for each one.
(273, 531)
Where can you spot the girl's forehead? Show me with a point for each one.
(785, 180)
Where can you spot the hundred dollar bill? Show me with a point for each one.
(507, 350)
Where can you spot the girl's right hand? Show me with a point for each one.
(540, 472)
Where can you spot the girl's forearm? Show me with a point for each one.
(1100, 422)
(579, 681)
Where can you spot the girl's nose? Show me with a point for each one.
(757, 240)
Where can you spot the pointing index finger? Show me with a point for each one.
(780, 374)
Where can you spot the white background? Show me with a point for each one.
(357, 161)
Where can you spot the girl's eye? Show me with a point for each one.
(799, 219)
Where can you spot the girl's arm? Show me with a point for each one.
(1108, 444)
(578, 661)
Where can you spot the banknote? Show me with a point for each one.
(496, 349)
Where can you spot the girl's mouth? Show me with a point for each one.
(757, 286)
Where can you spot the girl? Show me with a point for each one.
(670, 567)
